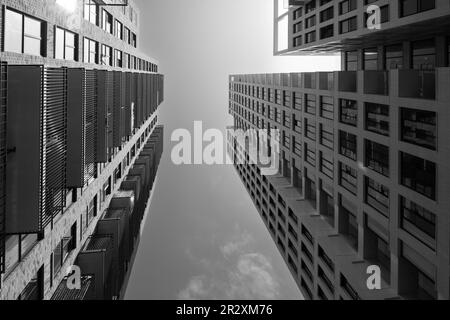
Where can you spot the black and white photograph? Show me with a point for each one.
(226, 158)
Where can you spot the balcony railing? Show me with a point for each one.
(419, 84)
(347, 81)
(326, 80)
(376, 82)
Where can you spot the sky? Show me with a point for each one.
(203, 237)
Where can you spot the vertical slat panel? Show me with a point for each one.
(91, 129)
(128, 101)
(101, 153)
(76, 129)
(55, 143)
(3, 92)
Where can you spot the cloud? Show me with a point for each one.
(242, 274)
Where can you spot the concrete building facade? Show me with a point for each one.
(364, 174)
(79, 148)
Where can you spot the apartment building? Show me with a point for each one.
(80, 146)
(364, 174)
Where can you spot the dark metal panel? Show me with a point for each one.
(140, 99)
(119, 108)
(55, 143)
(128, 102)
(3, 103)
(91, 133)
(24, 144)
(76, 129)
(101, 118)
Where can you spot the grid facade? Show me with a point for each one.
(80, 110)
(363, 179)
(326, 26)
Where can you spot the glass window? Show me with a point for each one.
(91, 12)
(419, 127)
(371, 59)
(106, 55)
(327, 107)
(107, 22)
(65, 45)
(351, 61)
(377, 196)
(348, 178)
(348, 112)
(348, 145)
(90, 51)
(377, 157)
(410, 7)
(419, 175)
(424, 55)
(377, 118)
(23, 34)
(418, 221)
(394, 57)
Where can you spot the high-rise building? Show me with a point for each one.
(364, 174)
(80, 146)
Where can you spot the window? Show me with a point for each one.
(310, 155)
(418, 221)
(107, 22)
(327, 14)
(349, 224)
(326, 136)
(348, 178)
(351, 60)
(377, 157)
(127, 35)
(394, 57)
(66, 45)
(119, 58)
(310, 104)
(298, 27)
(297, 101)
(90, 51)
(327, 32)
(133, 40)
(310, 37)
(419, 175)
(347, 6)
(119, 29)
(91, 12)
(377, 118)
(410, 7)
(23, 34)
(377, 196)
(348, 25)
(371, 59)
(327, 165)
(310, 129)
(326, 107)
(310, 22)
(348, 145)
(348, 112)
(424, 55)
(419, 127)
(107, 58)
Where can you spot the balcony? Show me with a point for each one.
(376, 82)
(86, 291)
(347, 81)
(96, 258)
(419, 84)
